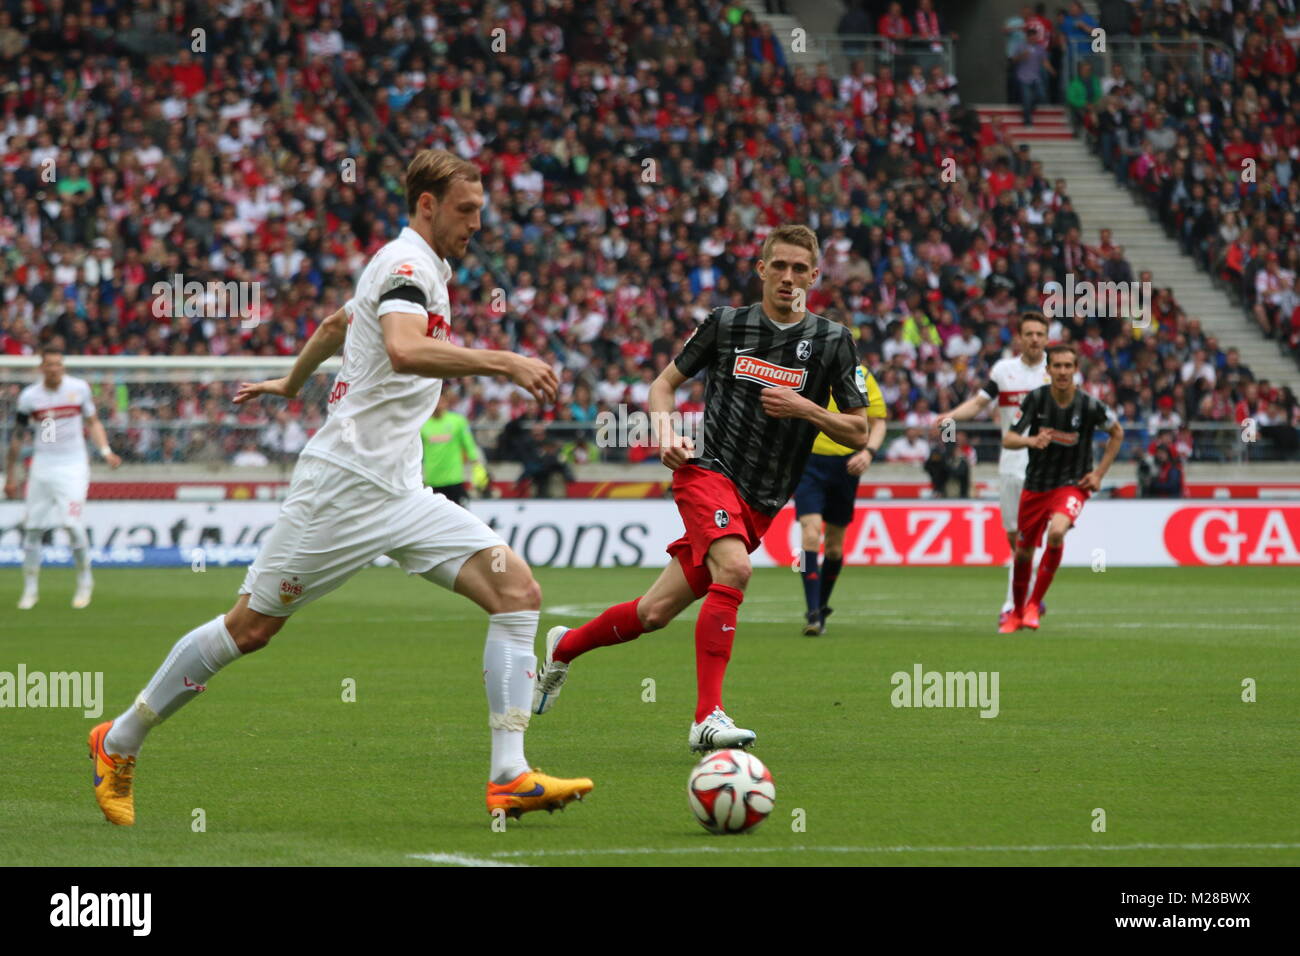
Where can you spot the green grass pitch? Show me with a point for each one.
(1129, 700)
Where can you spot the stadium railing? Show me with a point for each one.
(838, 50)
(171, 411)
(1212, 442)
(1189, 57)
(174, 416)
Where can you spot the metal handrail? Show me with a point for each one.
(1141, 51)
(1228, 446)
(1212, 441)
(839, 49)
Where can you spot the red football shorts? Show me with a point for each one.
(1037, 508)
(711, 508)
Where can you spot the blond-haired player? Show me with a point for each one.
(357, 493)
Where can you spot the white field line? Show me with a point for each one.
(493, 858)
(456, 859)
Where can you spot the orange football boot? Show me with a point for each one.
(534, 790)
(112, 779)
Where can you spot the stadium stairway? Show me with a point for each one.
(1050, 123)
(814, 19)
(1102, 204)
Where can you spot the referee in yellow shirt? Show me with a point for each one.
(828, 492)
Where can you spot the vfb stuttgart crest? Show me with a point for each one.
(290, 590)
(803, 350)
(721, 518)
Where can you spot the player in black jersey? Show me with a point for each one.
(1056, 423)
(772, 367)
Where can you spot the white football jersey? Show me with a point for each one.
(1010, 380)
(372, 424)
(56, 418)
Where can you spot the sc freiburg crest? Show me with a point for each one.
(721, 518)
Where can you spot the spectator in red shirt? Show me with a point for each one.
(893, 24)
(885, 83)
(1239, 149)
(927, 21)
(1038, 28)
(1248, 406)
(1280, 60)
(188, 74)
(636, 346)
(1002, 178)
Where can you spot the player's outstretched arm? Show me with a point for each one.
(1014, 440)
(1092, 480)
(848, 428)
(674, 449)
(11, 461)
(860, 461)
(412, 352)
(324, 342)
(969, 408)
(99, 438)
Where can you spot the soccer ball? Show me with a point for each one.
(731, 791)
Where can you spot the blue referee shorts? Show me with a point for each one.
(827, 489)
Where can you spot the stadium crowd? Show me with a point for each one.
(634, 153)
(1216, 155)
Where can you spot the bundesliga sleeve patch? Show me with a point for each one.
(861, 379)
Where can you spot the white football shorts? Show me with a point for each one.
(56, 496)
(1009, 488)
(334, 522)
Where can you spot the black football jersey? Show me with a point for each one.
(1069, 455)
(742, 352)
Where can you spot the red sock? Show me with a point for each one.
(1046, 568)
(616, 625)
(1020, 581)
(715, 630)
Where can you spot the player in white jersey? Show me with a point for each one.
(1010, 380)
(357, 493)
(55, 409)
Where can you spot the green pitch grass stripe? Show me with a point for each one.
(1132, 699)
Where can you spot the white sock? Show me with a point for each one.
(190, 665)
(80, 552)
(32, 557)
(509, 671)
